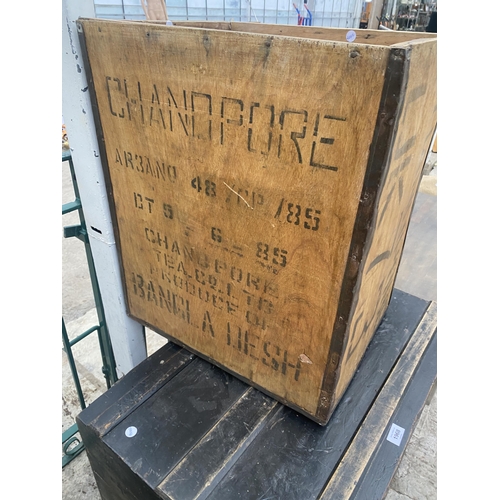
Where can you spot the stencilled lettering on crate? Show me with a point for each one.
(296, 136)
(235, 181)
(223, 291)
(238, 334)
(145, 165)
(213, 279)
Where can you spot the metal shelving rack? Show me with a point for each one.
(71, 443)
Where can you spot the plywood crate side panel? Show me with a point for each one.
(380, 150)
(413, 134)
(214, 253)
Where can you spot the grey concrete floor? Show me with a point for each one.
(416, 476)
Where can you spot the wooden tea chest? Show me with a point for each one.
(261, 180)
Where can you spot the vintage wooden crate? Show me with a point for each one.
(261, 179)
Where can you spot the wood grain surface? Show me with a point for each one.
(363, 36)
(235, 162)
(415, 125)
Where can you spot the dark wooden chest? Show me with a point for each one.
(177, 427)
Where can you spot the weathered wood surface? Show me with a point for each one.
(141, 385)
(199, 390)
(385, 459)
(354, 462)
(113, 407)
(415, 122)
(247, 175)
(205, 434)
(371, 37)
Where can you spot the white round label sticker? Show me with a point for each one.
(351, 36)
(130, 432)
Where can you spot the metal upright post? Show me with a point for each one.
(127, 336)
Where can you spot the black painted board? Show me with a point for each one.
(209, 460)
(111, 489)
(112, 407)
(139, 384)
(384, 462)
(174, 419)
(114, 479)
(293, 457)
